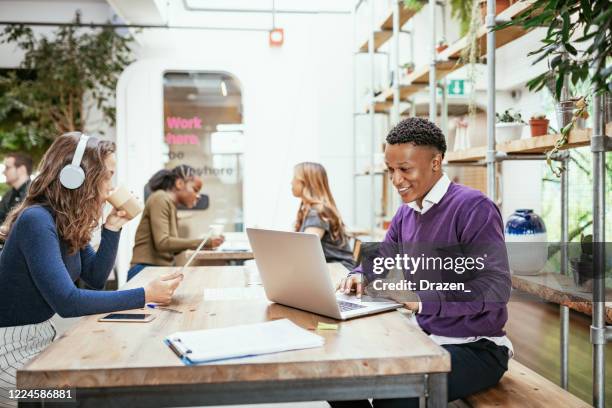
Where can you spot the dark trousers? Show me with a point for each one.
(474, 367)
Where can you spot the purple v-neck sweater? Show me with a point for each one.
(464, 217)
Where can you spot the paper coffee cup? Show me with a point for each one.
(121, 199)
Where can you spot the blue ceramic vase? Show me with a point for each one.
(527, 242)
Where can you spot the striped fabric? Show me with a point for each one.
(18, 344)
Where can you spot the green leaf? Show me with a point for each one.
(554, 63)
(566, 27)
(586, 9)
(570, 49)
(559, 86)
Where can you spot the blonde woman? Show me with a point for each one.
(46, 249)
(318, 213)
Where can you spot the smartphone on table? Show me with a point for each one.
(127, 317)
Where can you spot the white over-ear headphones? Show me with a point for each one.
(72, 175)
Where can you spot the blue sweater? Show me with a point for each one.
(37, 274)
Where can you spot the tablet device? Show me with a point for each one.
(127, 317)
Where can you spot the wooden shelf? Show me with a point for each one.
(560, 289)
(404, 92)
(386, 28)
(533, 145)
(443, 68)
(449, 58)
(502, 37)
(379, 107)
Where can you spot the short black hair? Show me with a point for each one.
(419, 132)
(22, 159)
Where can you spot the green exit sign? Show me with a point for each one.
(456, 87)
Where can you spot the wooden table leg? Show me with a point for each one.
(437, 390)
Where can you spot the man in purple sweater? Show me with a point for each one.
(438, 217)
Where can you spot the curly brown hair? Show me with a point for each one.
(77, 212)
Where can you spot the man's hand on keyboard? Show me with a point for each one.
(395, 277)
(354, 283)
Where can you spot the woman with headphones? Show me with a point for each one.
(46, 249)
(157, 241)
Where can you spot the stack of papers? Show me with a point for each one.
(203, 346)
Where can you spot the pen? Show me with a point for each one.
(154, 306)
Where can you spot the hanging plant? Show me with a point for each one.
(461, 10)
(469, 55)
(414, 5)
(579, 112)
(73, 71)
(582, 30)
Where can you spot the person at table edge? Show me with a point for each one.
(437, 210)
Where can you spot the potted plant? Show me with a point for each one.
(409, 67)
(509, 126)
(582, 267)
(442, 45)
(584, 23)
(539, 125)
(567, 117)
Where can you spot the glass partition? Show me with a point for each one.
(203, 129)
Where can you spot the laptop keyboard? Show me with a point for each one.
(348, 306)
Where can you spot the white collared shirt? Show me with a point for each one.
(432, 198)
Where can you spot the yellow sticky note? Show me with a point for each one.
(327, 326)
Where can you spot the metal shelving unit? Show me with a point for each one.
(388, 102)
(379, 34)
(600, 143)
(439, 66)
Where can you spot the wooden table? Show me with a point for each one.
(222, 257)
(127, 364)
(560, 289)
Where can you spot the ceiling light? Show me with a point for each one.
(277, 37)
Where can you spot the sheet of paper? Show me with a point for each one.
(245, 340)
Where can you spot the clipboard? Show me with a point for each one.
(212, 345)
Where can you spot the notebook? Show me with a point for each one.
(205, 346)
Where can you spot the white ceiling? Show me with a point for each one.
(231, 13)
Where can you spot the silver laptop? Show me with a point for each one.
(294, 273)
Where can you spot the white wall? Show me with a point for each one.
(297, 106)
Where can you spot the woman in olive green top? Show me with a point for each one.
(157, 241)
